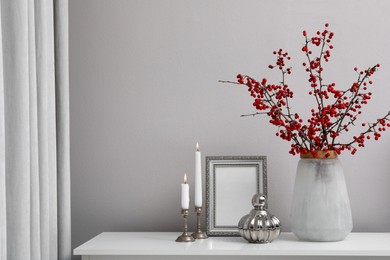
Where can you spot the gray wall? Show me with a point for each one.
(144, 90)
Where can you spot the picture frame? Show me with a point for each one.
(231, 182)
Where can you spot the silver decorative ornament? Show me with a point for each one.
(259, 226)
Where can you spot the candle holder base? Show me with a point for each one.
(185, 237)
(199, 235)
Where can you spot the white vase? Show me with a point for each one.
(320, 209)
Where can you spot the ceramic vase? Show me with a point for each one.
(321, 209)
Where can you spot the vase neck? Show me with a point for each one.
(330, 154)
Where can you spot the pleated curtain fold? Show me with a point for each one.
(34, 130)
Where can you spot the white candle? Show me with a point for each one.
(198, 178)
(185, 194)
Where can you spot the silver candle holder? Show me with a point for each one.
(185, 237)
(198, 234)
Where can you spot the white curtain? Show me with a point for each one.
(34, 130)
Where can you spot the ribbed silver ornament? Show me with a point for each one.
(259, 226)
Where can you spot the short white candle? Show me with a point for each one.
(185, 194)
(198, 178)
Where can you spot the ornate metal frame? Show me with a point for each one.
(210, 218)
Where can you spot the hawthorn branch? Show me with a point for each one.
(352, 101)
(254, 114)
(230, 82)
(371, 129)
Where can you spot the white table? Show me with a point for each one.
(162, 245)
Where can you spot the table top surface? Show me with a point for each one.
(163, 243)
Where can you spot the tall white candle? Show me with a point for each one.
(185, 194)
(198, 178)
